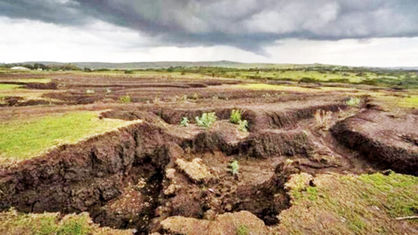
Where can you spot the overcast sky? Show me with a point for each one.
(349, 32)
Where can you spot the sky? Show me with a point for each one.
(382, 33)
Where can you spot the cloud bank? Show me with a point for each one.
(247, 24)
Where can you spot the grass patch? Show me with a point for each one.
(346, 204)
(4, 87)
(26, 138)
(13, 222)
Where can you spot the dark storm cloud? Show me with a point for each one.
(248, 24)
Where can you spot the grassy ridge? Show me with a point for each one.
(347, 204)
(25, 138)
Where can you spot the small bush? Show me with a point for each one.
(353, 101)
(206, 120)
(235, 116)
(243, 125)
(242, 230)
(129, 71)
(322, 118)
(184, 122)
(234, 167)
(125, 99)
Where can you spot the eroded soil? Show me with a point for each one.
(148, 175)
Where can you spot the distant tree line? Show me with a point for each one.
(36, 66)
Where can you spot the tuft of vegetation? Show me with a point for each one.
(125, 99)
(353, 101)
(322, 118)
(234, 167)
(242, 230)
(206, 120)
(243, 125)
(235, 116)
(89, 91)
(25, 138)
(184, 122)
(129, 72)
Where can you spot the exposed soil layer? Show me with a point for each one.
(131, 178)
(152, 173)
(383, 138)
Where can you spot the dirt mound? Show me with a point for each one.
(384, 139)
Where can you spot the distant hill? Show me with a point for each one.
(145, 65)
(164, 64)
(221, 63)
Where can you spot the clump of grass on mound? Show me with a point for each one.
(25, 138)
(12, 222)
(365, 204)
(206, 120)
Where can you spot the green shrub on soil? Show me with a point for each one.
(242, 230)
(234, 167)
(353, 101)
(125, 99)
(25, 138)
(206, 120)
(184, 122)
(243, 125)
(235, 116)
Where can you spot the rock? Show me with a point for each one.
(242, 222)
(195, 170)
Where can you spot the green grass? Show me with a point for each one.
(13, 222)
(4, 87)
(343, 204)
(26, 138)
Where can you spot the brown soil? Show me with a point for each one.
(130, 179)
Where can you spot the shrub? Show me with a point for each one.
(322, 118)
(243, 125)
(235, 116)
(234, 167)
(125, 99)
(129, 71)
(242, 230)
(184, 122)
(206, 120)
(353, 101)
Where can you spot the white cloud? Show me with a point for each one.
(27, 40)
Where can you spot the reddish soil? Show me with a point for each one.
(130, 179)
